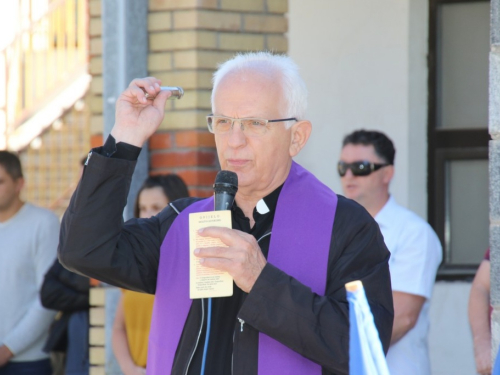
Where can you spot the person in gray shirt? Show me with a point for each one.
(28, 237)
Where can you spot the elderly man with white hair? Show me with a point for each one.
(293, 246)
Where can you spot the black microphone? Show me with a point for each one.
(225, 188)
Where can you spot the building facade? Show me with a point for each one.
(414, 69)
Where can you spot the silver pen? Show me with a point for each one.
(176, 91)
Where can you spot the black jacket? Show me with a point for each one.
(94, 241)
(64, 290)
(67, 292)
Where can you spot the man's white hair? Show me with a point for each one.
(283, 67)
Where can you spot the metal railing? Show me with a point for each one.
(41, 60)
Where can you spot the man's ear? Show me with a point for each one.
(300, 134)
(19, 184)
(388, 174)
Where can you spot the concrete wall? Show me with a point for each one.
(494, 130)
(450, 340)
(356, 58)
(365, 67)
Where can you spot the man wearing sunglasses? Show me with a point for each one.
(366, 168)
(292, 247)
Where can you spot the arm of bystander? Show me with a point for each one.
(479, 318)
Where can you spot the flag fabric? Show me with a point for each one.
(496, 365)
(366, 355)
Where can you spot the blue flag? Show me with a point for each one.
(366, 356)
(496, 365)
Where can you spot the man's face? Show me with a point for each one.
(364, 189)
(9, 189)
(261, 162)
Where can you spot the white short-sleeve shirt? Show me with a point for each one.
(415, 256)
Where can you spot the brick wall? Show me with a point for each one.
(187, 39)
(189, 153)
(97, 336)
(52, 164)
(94, 98)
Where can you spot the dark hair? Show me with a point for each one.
(173, 187)
(383, 146)
(12, 164)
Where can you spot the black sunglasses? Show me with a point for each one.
(358, 168)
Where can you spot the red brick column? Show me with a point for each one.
(189, 153)
(187, 40)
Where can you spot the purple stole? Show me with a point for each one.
(300, 245)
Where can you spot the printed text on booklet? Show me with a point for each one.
(207, 282)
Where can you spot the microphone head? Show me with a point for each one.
(227, 177)
(225, 188)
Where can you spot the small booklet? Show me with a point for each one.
(205, 282)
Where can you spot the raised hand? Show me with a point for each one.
(138, 117)
(242, 259)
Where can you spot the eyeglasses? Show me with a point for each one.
(250, 126)
(358, 168)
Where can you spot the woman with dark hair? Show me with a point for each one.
(133, 313)
(167, 188)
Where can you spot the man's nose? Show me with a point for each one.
(349, 173)
(237, 137)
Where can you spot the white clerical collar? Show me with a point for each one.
(262, 207)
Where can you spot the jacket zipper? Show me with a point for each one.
(199, 334)
(88, 158)
(242, 322)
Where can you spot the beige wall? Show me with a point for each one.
(365, 66)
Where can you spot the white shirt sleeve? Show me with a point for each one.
(37, 319)
(415, 262)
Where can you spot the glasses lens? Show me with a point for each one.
(361, 168)
(219, 124)
(254, 126)
(341, 168)
(358, 168)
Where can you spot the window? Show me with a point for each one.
(458, 137)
